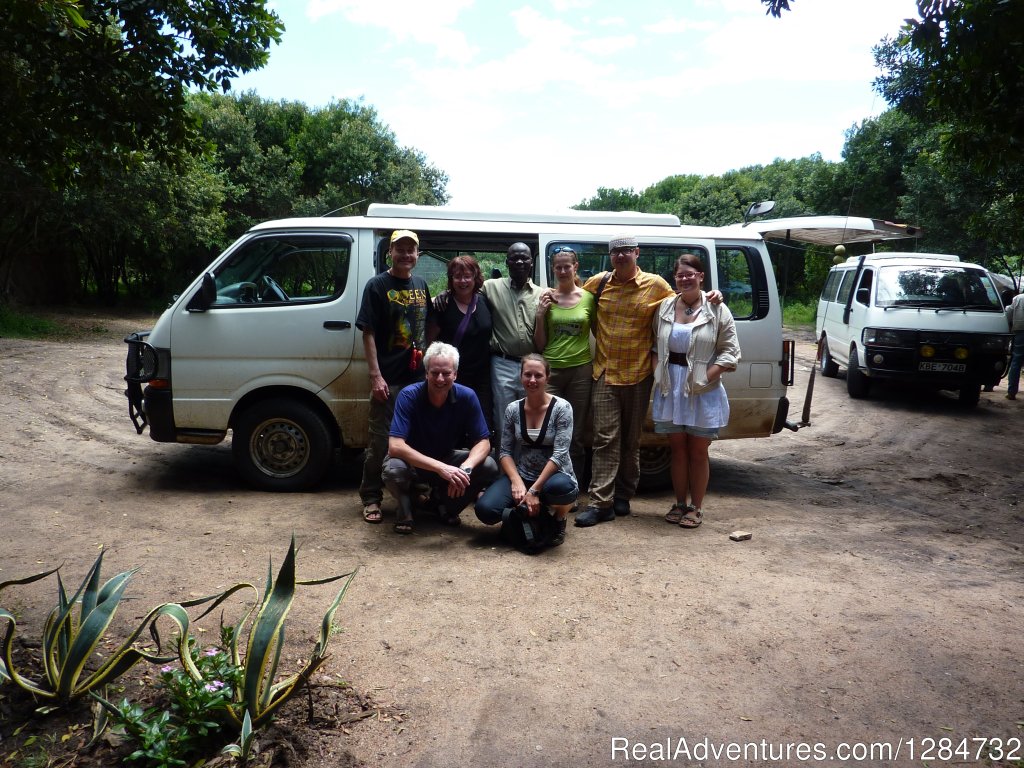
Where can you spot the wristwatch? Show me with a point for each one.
(467, 469)
(533, 492)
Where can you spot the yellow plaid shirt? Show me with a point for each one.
(623, 331)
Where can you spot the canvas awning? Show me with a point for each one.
(832, 230)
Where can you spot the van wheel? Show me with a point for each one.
(969, 395)
(829, 368)
(281, 445)
(857, 383)
(655, 468)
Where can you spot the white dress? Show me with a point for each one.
(709, 410)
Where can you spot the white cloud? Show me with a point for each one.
(428, 23)
(671, 26)
(570, 5)
(561, 97)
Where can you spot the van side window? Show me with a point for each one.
(828, 293)
(285, 268)
(657, 259)
(846, 286)
(438, 247)
(736, 280)
(863, 295)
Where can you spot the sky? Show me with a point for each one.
(533, 105)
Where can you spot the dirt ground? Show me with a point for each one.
(879, 600)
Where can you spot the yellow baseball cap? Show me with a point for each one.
(399, 234)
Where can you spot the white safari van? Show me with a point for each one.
(929, 319)
(263, 342)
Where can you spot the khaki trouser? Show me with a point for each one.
(619, 413)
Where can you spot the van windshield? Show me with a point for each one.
(943, 287)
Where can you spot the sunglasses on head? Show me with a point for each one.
(563, 249)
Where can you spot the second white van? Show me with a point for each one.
(928, 319)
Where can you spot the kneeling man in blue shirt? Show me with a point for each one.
(434, 421)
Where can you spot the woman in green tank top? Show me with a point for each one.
(565, 315)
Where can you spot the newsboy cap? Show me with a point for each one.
(622, 241)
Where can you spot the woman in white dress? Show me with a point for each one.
(696, 344)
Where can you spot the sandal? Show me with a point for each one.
(693, 518)
(372, 513)
(679, 509)
(403, 526)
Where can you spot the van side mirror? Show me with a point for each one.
(864, 295)
(205, 296)
(758, 209)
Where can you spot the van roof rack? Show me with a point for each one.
(905, 255)
(624, 218)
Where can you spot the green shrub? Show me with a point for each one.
(796, 313)
(70, 638)
(190, 714)
(18, 325)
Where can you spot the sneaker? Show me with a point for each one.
(1011, 397)
(621, 507)
(593, 515)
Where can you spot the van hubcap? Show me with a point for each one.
(279, 448)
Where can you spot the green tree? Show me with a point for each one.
(82, 78)
(608, 199)
(144, 228)
(350, 159)
(961, 67)
(962, 64)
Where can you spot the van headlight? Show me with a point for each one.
(994, 344)
(889, 337)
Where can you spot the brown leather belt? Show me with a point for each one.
(677, 358)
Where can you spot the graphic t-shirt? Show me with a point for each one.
(396, 311)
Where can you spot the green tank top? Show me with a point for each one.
(568, 333)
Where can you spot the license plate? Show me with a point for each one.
(942, 367)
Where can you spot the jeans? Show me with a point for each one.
(1016, 358)
(559, 489)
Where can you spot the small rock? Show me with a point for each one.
(740, 535)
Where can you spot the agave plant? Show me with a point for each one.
(70, 638)
(259, 696)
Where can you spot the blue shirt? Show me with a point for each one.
(436, 432)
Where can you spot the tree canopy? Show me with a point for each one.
(89, 81)
(959, 72)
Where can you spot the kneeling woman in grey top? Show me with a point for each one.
(536, 434)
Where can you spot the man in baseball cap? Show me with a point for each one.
(393, 318)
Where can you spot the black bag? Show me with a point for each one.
(528, 534)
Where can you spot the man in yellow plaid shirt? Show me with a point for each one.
(627, 299)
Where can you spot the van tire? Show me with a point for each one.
(829, 368)
(857, 383)
(969, 395)
(281, 445)
(655, 468)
